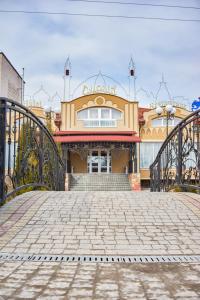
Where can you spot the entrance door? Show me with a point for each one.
(99, 161)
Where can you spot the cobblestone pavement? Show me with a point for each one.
(35, 280)
(100, 223)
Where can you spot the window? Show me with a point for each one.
(105, 113)
(161, 122)
(83, 114)
(99, 117)
(93, 113)
(148, 153)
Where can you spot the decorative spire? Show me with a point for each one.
(67, 77)
(163, 79)
(67, 67)
(163, 91)
(132, 79)
(131, 67)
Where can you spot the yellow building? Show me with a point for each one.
(100, 133)
(103, 132)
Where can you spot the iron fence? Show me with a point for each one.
(29, 157)
(177, 165)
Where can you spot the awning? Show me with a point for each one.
(94, 133)
(69, 137)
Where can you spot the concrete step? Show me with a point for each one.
(99, 182)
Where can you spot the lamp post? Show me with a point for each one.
(168, 112)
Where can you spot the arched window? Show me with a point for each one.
(99, 117)
(161, 122)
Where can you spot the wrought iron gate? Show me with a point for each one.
(29, 156)
(178, 161)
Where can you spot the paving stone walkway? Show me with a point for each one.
(100, 223)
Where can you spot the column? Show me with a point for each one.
(130, 163)
(135, 159)
(134, 176)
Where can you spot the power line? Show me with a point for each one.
(135, 3)
(98, 15)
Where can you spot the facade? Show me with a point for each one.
(11, 83)
(100, 134)
(105, 133)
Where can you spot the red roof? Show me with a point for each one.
(89, 136)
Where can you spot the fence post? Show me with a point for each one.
(2, 148)
(41, 156)
(158, 175)
(179, 165)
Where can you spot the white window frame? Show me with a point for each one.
(100, 122)
(162, 119)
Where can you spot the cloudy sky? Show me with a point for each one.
(41, 44)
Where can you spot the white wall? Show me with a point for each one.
(10, 81)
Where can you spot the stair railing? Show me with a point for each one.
(29, 157)
(177, 165)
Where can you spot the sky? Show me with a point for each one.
(41, 44)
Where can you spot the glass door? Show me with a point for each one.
(99, 161)
(94, 162)
(103, 161)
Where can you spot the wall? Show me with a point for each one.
(156, 134)
(149, 133)
(79, 165)
(10, 80)
(119, 161)
(129, 109)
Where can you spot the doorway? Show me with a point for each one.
(99, 161)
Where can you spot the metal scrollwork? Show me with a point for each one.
(177, 165)
(29, 157)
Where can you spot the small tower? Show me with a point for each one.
(67, 79)
(132, 79)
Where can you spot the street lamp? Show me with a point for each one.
(168, 112)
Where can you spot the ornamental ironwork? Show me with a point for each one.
(177, 165)
(29, 157)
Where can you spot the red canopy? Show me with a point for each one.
(89, 136)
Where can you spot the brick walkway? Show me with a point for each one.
(100, 223)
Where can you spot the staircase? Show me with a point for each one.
(99, 182)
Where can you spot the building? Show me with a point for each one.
(153, 131)
(11, 82)
(102, 132)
